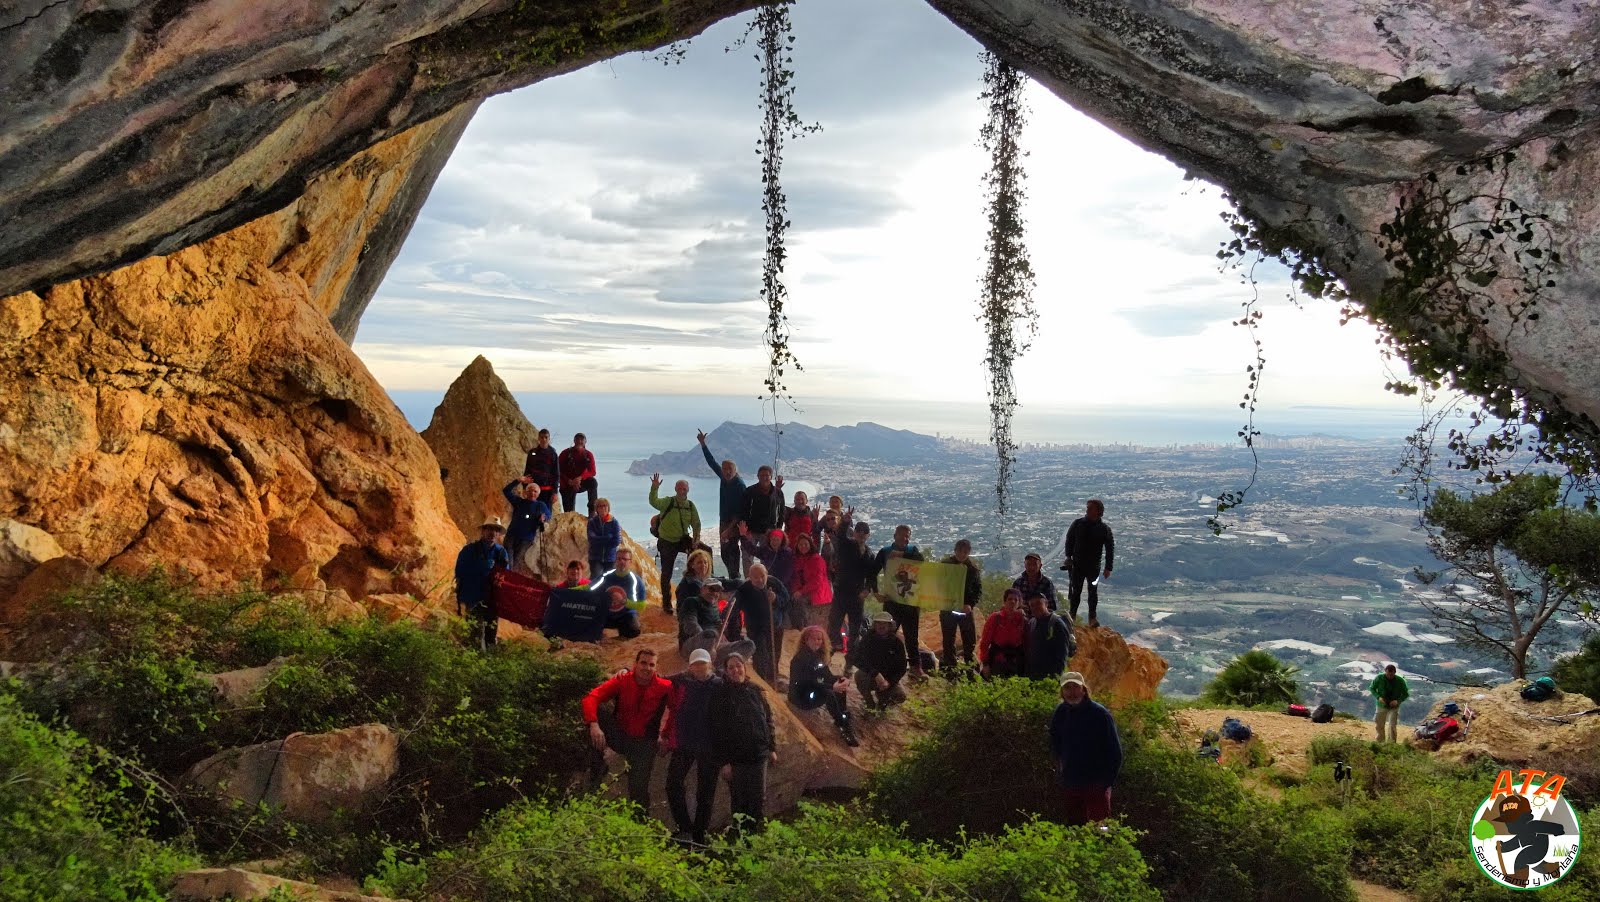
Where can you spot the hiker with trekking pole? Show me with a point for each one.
(757, 603)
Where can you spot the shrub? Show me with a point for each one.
(62, 836)
(985, 742)
(1043, 862)
(1580, 672)
(1253, 678)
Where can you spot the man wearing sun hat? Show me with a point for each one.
(880, 661)
(474, 564)
(1086, 750)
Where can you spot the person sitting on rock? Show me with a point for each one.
(1086, 751)
(630, 725)
(528, 517)
(1049, 645)
(880, 661)
(698, 617)
(812, 684)
(578, 473)
(1000, 650)
(744, 742)
(605, 538)
(619, 616)
(622, 575)
(543, 468)
(717, 594)
(1033, 581)
(687, 729)
(475, 566)
(576, 577)
(964, 618)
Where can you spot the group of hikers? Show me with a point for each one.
(786, 565)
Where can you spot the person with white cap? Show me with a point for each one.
(687, 732)
(1086, 751)
(880, 661)
(475, 563)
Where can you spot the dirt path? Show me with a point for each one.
(1372, 892)
(1286, 739)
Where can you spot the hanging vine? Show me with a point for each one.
(1005, 296)
(779, 123)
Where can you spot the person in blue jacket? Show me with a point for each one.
(730, 508)
(1086, 751)
(475, 563)
(605, 537)
(528, 517)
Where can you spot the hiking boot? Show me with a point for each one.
(849, 733)
(1094, 624)
(666, 608)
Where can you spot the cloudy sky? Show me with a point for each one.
(602, 232)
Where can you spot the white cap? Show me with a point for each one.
(699, 655)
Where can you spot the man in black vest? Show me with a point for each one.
(1086, 538)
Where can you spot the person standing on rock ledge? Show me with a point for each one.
(578, 473)
(543, 469)
(677, 531)
(475, 565)
(730, 508)
(631, 726)
(1086, 751)
(1086, 538)
(1390, 690)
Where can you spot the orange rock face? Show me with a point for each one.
(1116, 671)
(199, 411)
(481, 439)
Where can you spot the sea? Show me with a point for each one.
(622, 428)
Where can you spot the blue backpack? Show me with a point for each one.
(1235, 729)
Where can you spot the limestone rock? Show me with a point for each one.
(308, 777)
(481, 440)
(1116, 671)
(566, 538)
(199, 411)
(208, 884)
(47, 582)
(238, 688)
(22, 548)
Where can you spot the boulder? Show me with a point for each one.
(22, 548)
(208, 884)
(305, 777)
(238, 688)
(1116, 671)
(481, 440)
(566, 538)
(199, 410)
(47, 582)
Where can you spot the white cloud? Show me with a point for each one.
(602, 231)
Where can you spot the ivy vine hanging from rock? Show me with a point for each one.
(1005, 297)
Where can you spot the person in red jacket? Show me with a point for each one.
(577, 473)
(810, 592)
(799, 519)
(632, 728)
(1004, 635)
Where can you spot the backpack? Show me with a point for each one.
(1236, 729)
(1323, 713)
(1450, 709)
(1539, 690)
(1438, 730)
(655, 526)
(1297, 711)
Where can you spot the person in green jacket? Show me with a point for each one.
(677, 531)
(1390, 689)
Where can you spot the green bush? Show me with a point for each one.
(1253, 678)
(985, 742)
(62, 836)
(1580, 673)
(592, 848)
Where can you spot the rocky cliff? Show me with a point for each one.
(481, 440)
(136, 129)
(200, 411)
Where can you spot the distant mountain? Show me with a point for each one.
(751, 445)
